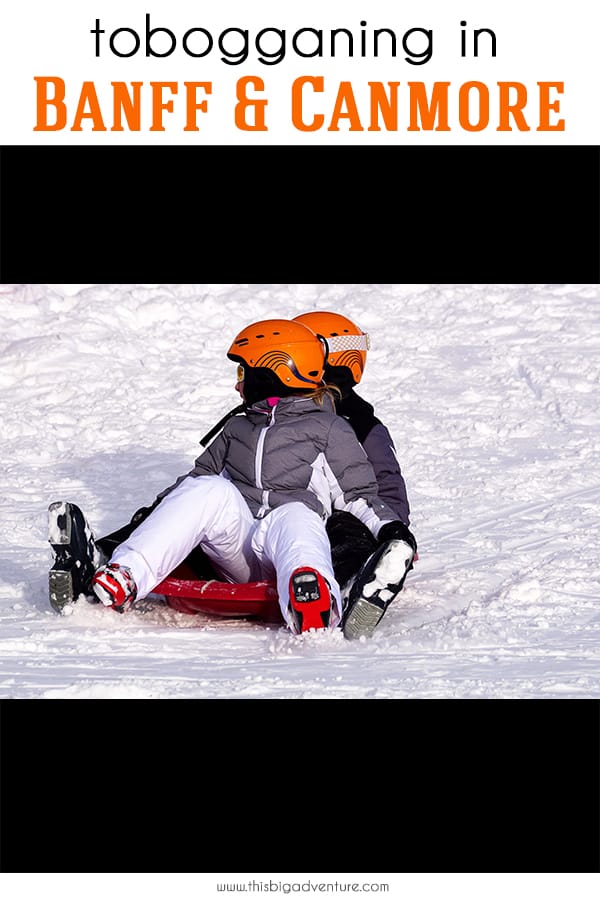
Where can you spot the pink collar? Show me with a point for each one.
(273, 401)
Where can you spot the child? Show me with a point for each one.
(258, 498)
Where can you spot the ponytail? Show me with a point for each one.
(326, 390)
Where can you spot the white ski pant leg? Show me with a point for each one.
(208, 510)
(211, 511)
(290, 537)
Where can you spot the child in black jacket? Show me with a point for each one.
(347, 345)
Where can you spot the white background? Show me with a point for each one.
(536, 41)
(411, 886)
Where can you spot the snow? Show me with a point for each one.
(491, 392)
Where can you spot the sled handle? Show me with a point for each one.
(219, 426)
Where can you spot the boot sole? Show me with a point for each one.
(60, 589)
(362, 620)
(310, 610)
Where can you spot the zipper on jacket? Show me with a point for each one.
(258, 464)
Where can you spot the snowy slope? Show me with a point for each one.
(492, 394)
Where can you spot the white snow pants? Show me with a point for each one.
(210, 511)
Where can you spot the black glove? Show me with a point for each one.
(396, 531)
(141, 514)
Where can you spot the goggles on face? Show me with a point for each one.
(240, 374)
(348, 342)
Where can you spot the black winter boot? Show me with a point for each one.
(380, 579)
(76, 555)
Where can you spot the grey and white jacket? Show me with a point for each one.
(295, 450)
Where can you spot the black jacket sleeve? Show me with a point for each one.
(379, 447)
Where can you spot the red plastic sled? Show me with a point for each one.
(185, 593)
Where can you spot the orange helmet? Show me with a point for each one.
(346, 342)
(292, 351)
